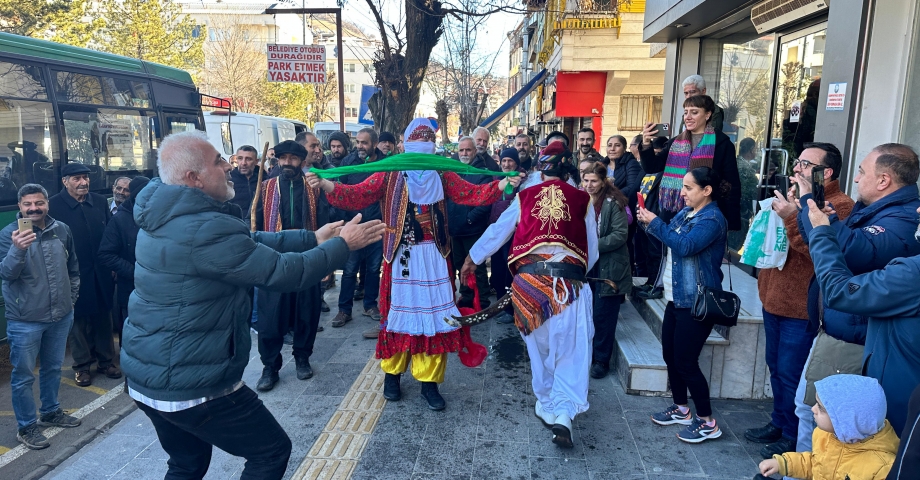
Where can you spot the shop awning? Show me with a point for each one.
(514, 100)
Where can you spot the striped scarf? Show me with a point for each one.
(681, 159)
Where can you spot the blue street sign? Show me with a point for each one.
(364, 113)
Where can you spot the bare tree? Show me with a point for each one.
(327, 94)
(402, 63)
(238, 70)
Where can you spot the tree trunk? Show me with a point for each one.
(399, 75)
(443, 110)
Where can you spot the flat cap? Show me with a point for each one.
(74, 168)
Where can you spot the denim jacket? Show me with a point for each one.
(698, 247)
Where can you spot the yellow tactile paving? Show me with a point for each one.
(337, 450)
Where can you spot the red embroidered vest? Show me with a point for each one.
(394, 206)
(552, 213)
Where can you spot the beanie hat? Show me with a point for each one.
(387, 137)
(342, 138)
(512, 154)
(137, 184)
(291, 147)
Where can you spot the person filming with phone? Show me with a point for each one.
(41, 283)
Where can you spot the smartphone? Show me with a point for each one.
(782, 184)
(25, 225)
(664, 130)
(817, 185)
(641, 201)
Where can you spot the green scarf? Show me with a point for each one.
(412, 161)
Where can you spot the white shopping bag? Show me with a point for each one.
(766, 244)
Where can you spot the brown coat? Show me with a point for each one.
(785, 292)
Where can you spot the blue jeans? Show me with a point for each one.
(370, 256)
(30, 341)
(788, 343)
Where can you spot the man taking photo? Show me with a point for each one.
(41, 282)
(187, 341)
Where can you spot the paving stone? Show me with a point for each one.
(613, 476)
(501, 460)
(610, 449)
(659, 448)
(504, 418)
(558, 469)
(738, 422)
(446, 452)
(142, 468)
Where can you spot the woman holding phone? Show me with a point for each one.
(696, 243)
(610, 210)
(700, 145)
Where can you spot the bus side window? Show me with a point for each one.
(28, 141)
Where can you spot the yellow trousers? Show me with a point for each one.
(425, 368)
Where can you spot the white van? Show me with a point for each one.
(322, 130)
(228, 131)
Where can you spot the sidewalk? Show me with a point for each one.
(488, 430)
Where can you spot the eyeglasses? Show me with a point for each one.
(803, 163)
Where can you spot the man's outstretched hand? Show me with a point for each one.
(328, 231)
(359, 235)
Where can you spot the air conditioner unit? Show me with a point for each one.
(769, 15)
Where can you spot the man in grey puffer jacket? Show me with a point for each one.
(186, 341)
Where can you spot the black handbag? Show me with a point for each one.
(716, 306)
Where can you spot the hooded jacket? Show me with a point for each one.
(889, 298)
(187, 335)
(344, 140)
(863, 444)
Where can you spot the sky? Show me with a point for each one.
(496, 28)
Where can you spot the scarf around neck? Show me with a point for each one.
(681, 159)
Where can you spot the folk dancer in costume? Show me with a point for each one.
(288, 203)
(416, 288)
(554, 243)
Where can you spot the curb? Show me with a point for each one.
(81, 442)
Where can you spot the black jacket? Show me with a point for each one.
(116, 252)
(372, 212)
(723, 161)
(489, 162)
(464, 221)
(627, 176)
(87, 221)
(245, 188)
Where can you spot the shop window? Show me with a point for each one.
(637, 110)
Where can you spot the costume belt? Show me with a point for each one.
(554, 269)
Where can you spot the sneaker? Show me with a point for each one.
(698, 432)
(324, 307)
(373, 312)
(340, 320)
(304, 370)
(372, 332)
(58, 419)
(82, 379)
(652, 294)
(642, 288)
(599, 370)
(778, 447)
(391, 390)
(431, 394)
(110, 371)
(767, 434)
(672, 416)
(268, 379)
(32, 438)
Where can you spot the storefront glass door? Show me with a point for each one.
(796, 87)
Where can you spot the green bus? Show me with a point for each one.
(61, 104)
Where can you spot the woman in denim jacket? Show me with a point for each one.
(696, 244)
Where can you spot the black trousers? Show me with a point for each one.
(459, 249)
(682, 340)
(606, 314)
(91, 341)
(303, 324)
(238, 424)
(907, 462)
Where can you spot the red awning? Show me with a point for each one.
(580, 94)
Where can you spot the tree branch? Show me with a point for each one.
(382, 27)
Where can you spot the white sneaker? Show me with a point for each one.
(547, 418)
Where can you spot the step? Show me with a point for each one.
(652, 312)
(640, 366)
